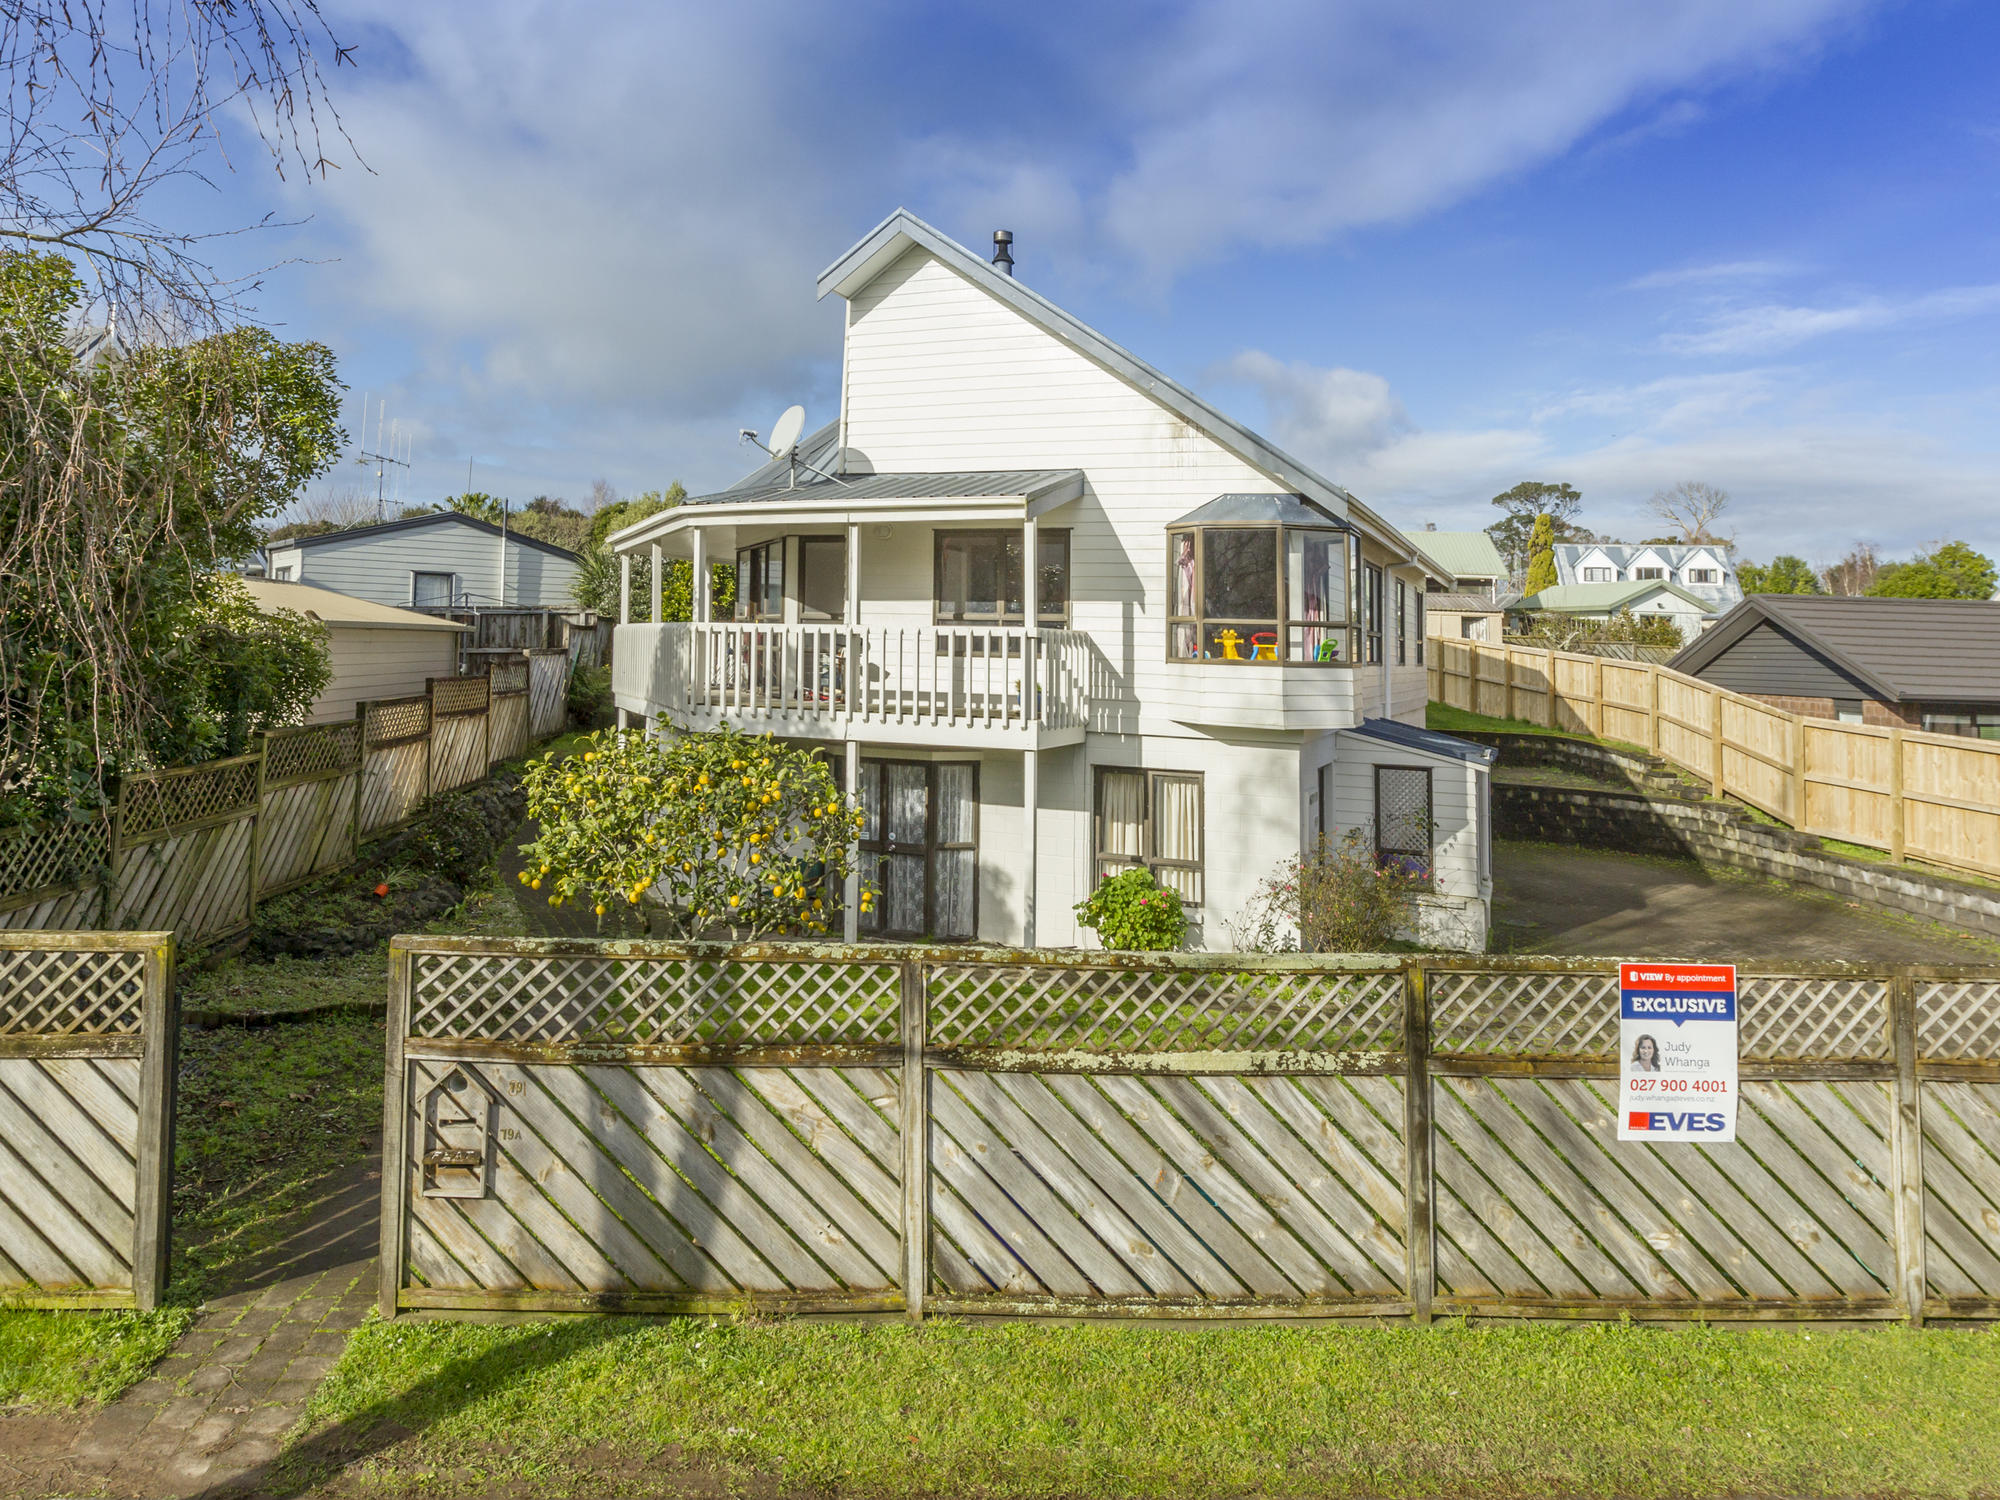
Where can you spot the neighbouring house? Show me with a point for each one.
(443, 560)
(1703, 570)
(377, 652)
(1471, 562)
(1053, 616)
(1602, 601)
(1470, 617)
(1923, 663)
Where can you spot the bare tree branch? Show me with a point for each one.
(1691, 507)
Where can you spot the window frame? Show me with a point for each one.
(822, 539)
(1001, 620)
(746, 613)
(1383, 853)
(1151, 859)
(1374, 595)
(1649, 575)
(1284, 622)
(450, 588)
(1591, 575)
(876, 851)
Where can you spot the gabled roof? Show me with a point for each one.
(1470, 604)
(1429, 741)
(1463, 554)
(1905, 650)
(1586, 598)
(1287, 510)
(340, 609)
(413, 523)
(877, 249)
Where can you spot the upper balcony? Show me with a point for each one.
(908, 685)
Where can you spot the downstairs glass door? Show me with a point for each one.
(919, 848)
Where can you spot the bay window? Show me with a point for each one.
(1259, 578)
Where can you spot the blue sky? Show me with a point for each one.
(1433, 249)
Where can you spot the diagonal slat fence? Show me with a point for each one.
(87, 1048)
(645, 1126)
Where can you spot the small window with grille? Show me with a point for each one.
(1403, 822)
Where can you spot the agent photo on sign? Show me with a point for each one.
(1646, 1055)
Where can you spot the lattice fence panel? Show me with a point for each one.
(532, 998)
(70, 993)
(1801, 1018)
(1962, 1188)
(1215, 1189)
(509, 677)
(302, 754)
(42, 856)
(693, 1182)
(1475, 1013)
(1959, 1019)
(458, 695)
(1164, 1010)
(394, 720)
(158, 802)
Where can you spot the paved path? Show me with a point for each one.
(1548, 899)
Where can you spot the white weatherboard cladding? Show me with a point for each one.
(379, 566)
(941, 376)
(371, 663)
(1458, 797)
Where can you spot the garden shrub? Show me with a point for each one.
(588, 692)
(452, 839)
(1333, 899)
(1133, 911)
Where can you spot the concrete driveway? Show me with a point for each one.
(1549, 899)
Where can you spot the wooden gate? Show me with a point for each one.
(87, 1045)
(1153, 1135)
(548, 692)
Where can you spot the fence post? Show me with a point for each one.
(1907, 1143)
(1419, 1254)
(1799, 773)
(256, 834)
(1896, 833)
(395, 1125)
(916, 1126)
(1715, 750)
(430, 731)
(360, 769)
(159, 1068)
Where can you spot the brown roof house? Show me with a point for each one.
(1923, 663)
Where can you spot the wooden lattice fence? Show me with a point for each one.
(87, 1043)
(651, 1126)
(193, 850)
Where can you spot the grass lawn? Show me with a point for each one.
(1448, 720)
(623, 1406)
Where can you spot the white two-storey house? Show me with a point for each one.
(1051, 615)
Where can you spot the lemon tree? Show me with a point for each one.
(728, 832)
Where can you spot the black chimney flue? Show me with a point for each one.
(1003, 254)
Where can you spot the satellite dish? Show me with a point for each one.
(785, 432)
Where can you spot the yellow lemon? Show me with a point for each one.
(600, 908)
(755, 856)
(735, 900)
(590, 755)
(534, 885)
(524, 877)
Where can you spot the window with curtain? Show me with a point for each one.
(760, 581)
(1403, 821)
(1152, 819)
(822, 578)
(1257, 594)
(979, 578)
(919, 848)
(431, 590)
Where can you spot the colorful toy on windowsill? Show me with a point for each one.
(1264, 646)
(1228, 640)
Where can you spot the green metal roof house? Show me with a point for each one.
(1600, 601)
(1474, 563)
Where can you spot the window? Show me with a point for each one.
(1151, 818)
(978, 577)
(1649, 572)
(1418, 622)
(1849, 711)
(432, 590)
(1403, 821)
(1599, 575)
(760, 581)
(284, 574)
(822, 578)
(1980, 723)
(1371, 610)
(1258, 593)
(1701, 575)
(1472, 627)
(918, 847)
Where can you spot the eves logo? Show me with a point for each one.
(1640, 1119)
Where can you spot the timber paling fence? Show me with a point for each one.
(1932, 797)
(193, 850)
(642, 1127)
(87, 1063)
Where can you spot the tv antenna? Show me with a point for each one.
(784, 443)
(384, 457)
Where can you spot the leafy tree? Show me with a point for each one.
(1334, 898)
(1853, 573)
(548, 519)
(728, 832)
(124, 486)
(596, 586)
(1132, 910)
(1951, 570)
(245, 670)
(1524, 504)
(477, 504)
(1541, 556)
(1785, 574)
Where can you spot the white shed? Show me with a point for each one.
(439, 561)
(378, 652)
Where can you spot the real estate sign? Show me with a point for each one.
(1677, 1052)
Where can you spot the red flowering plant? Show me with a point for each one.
(1134, 911)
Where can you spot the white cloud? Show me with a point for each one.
(1337, 412)
(1768, 327)
(1729, 270)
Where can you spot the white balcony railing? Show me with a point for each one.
(943, 677)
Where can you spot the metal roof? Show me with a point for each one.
(1463, 554)
(1908, 650)
(1472, 604)
(1287, 510)
(340, 609)
(1571, 598)
(1009, 483)
(412, 523)
(1410, 737)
